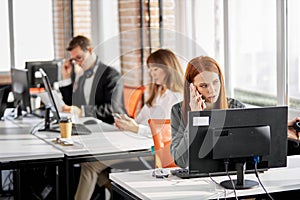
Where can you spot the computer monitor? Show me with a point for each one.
(234, 138)
(52, 68)
(20, 90)
(52, 106)
(4, 91)
(77, 129)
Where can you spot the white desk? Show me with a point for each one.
(100, 142)
(17, 144)
(141, 184)
(105, 143)
(19, 148)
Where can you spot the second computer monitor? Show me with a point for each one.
(52, 68)
(20, 90)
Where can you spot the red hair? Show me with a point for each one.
(195, 67)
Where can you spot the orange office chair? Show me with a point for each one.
(161, 134)
(132, 96)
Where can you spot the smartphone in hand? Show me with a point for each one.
(116, 115)
(202, 97)
(197, 92)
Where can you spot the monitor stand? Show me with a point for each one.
(240, 183)
(48, 122)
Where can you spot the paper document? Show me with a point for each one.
(57, 98)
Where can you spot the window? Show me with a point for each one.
(252, 51)
(209, 27)
(199, 28)
(33, 31)
(294, 53)
(4, 37)
(105, 31)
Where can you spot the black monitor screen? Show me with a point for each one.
(236, 136)
(20, 89)
(4, 91)
(48, 89)
(52, 68)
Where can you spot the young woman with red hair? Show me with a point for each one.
(203, 90)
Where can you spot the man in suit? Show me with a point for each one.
(95, 90)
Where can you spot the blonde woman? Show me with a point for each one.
(165, 90)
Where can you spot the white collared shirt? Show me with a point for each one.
(87, 88)
(87, 84)
(161, 109)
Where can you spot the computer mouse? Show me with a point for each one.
(90, 122)
(161, 173)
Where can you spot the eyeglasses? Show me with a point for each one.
(79, 58)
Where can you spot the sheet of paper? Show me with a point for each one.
(57, 98)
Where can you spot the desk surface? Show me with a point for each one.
(17, 144)
(144, 186)
(105, 143)
(105, 139)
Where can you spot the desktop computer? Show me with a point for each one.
(222, 142)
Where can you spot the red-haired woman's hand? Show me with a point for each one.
(196, 100)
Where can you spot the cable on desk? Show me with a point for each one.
(36, 127)
(256, 160)
(226, 162)
(213, 180)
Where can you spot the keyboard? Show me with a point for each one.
(80, 129)
(77, 129)
(185, 174)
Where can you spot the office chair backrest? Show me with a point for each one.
(132, 97)
(161, 134)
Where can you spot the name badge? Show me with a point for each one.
(201, 121)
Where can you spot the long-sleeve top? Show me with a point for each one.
(104, 95)
(161, 109)
(179, 145)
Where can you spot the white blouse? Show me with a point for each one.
(161, 109)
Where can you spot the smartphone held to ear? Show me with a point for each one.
(197, 91)
(73, 70)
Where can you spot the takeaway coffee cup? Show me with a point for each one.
(65, 125)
